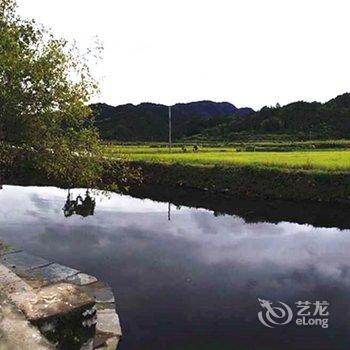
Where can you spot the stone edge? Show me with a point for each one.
(35, 271)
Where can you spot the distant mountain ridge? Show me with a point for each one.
(207, 120)
(302, 120)
(149, 121)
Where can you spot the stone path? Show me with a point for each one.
(71, 309)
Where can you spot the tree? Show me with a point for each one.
(272, 124)
(45, 85)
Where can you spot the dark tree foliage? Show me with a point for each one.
(222, 121)
(149, 122)
(328, 120)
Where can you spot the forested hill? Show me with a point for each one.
(149, 122)
(299, 119)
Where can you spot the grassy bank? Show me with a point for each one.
(314, 175)
(251, 181)
(306, 174)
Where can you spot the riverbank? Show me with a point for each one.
(242, 181)
(69, 308)
(250, 181)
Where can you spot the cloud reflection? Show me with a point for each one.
(197, 270)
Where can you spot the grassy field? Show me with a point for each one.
(322, 159)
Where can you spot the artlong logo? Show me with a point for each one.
(282, 314)
(274, 315)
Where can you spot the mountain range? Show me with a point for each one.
(298, 120)
(149, 121)
(207, 120)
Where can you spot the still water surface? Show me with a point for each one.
(192, 282)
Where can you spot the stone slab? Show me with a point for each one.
(100, 291)
(51, 273)
(22, 261)
(108, 322)
(61, 311)
(105, 341)
(53, 300)
(52, 296)
(16, 332)
(82, 279)
(11, 283)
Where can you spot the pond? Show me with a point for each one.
(185, 278)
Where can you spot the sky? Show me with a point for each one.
(247, 52)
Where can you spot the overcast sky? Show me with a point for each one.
(247, 52)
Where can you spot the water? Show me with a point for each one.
(192, 282)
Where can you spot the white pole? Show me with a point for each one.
(170, 140)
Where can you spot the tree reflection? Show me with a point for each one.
(79, 206)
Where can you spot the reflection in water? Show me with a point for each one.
(252, 211)
(80, 206)
(193, 282)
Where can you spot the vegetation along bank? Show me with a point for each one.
(250, 181)
(296, 176)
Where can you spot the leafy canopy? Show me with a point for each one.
(45, 85)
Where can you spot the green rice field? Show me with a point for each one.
(318, 159)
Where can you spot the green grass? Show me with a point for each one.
(325, 159)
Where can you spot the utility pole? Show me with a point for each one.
(170, 141)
